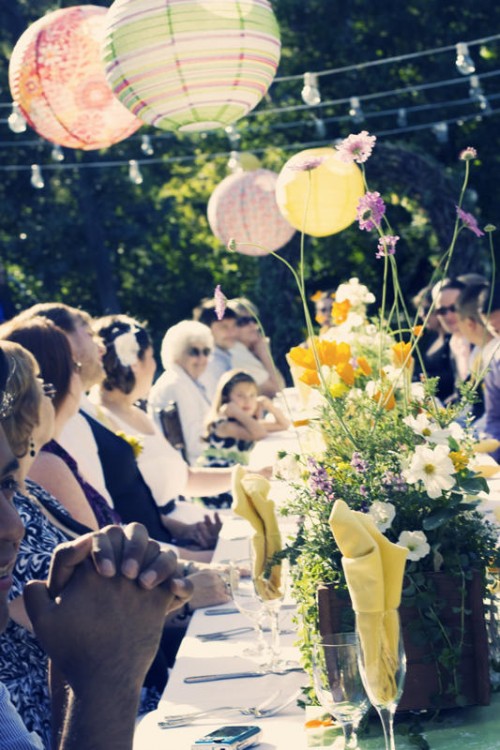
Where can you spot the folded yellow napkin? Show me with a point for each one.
(374, 569)
(250, 501)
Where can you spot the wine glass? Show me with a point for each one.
(382, 664)
(337, 682)
(271, 598)
(246, 600)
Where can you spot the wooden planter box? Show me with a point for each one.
(421, 690)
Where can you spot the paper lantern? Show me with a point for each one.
(243, 207)
(330, 192)
(57, 78)
(191, 65)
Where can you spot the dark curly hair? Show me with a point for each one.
(109, 328)
(22, 384)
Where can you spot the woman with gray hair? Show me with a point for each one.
(185, 349)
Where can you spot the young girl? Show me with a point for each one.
(235, 421)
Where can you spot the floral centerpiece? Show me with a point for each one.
(388, 448)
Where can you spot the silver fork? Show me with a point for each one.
(259, 712)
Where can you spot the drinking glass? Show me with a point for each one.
(382, 664)
(246, 600)
(337, 682)
(272, 607)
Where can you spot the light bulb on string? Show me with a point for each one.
(57, 153)
(476, 93)
(16, 121)
(37, 180)
(320, 128)
(147, 145)
(402, 118)
(134, 172)
(355, 110)
(234, 163)
(310, 92)
(464, 62)
(440, 130)
(233, 136)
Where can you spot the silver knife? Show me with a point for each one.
(235, 675)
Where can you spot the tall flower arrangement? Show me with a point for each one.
(388, 447)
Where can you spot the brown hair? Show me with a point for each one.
(222, 396)
(26, 395)
(110, 328)
(49, 346)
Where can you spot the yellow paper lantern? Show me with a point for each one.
(329, 191)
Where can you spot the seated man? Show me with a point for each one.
(77, 616)
(224, 335)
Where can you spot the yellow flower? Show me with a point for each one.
(134, 442)
(338, 389)
(340, 311)
(400, 354)
(459, 460)
(364, 366)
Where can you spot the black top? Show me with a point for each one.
(131, 496)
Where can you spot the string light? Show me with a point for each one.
(464, 62)
(233, 136)
(476, 93)
(319, 128)
(147, 145)
(402, 118)
(16, 121)
(57, 153)
(37, 180)
(355, 110)
(234, 163)
(134, 172)
(310, 92)
(440, 130)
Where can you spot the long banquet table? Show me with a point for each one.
(477, 728)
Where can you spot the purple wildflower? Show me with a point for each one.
(468, 154)
(394, 481)
(387, 245)
(357, 147)
(220, 302)
(358, 463)
(370, 210)
(307, 164)
(469, 222)
(363, 490)
(319, 480)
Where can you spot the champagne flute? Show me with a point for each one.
(382, 664)
(338, 684)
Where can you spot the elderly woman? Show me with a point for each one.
(185, 349)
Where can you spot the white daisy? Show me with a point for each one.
(433, 467)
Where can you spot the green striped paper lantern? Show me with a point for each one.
(191, 65)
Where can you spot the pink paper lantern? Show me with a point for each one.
(57, 79)
(243, 207)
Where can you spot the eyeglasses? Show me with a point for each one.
(245, 320)
(445, 309)
(193, 351)
(77, 367)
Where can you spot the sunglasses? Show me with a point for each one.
(445, 309)
(245, 320)
(193, 351)
(48, 389)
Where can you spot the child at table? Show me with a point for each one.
(237, 418)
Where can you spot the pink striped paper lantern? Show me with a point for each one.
(191, 65)
(57, 79)
(243, 207)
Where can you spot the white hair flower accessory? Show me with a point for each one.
(127, 348)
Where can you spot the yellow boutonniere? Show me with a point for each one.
(134, 442)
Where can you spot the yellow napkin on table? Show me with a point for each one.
(250, 501)
(374, 569)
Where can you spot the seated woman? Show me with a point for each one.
(23, 663)
(130, 366)
(57, 471)
(185, 349)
